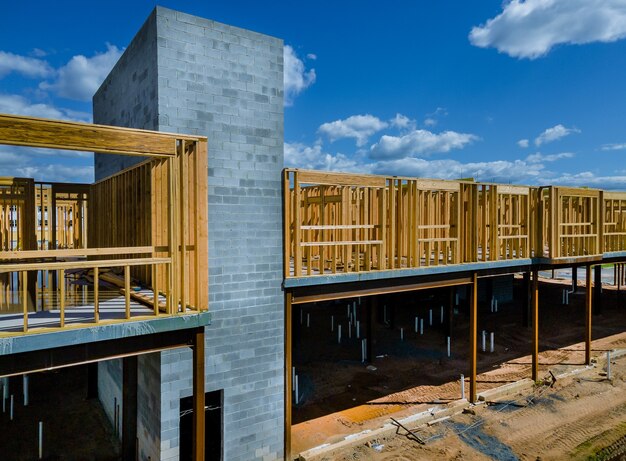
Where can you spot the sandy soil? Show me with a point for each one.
(574, 419)
(346, 398)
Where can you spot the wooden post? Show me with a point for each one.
(288, 383)
(61, 282)
(588, 310)
(473, 336)
(25, 298)
(127, 290)
(182, 197)
(198, 396)
(535, 321)
(155, 291)
(96, 294)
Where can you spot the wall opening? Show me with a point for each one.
(213, 426)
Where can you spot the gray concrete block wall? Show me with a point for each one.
(226, 83)
(149, 406)
(110, 389)
(138, 91)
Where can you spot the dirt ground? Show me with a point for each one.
(340, 396)
(74, 428)
(573, 420)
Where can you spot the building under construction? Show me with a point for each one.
(181, 277)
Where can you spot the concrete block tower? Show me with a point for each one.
(187, 74)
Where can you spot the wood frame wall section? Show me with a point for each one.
(151, 218)
(342, 223)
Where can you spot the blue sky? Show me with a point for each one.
(518, 92)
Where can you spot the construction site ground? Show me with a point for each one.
(414, 375)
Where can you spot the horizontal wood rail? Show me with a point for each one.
(339, 223)
(84, 252)
(81, 264)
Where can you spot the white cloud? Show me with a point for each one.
(554, 133)
(54, 173)
(296, 77)
(402, 122)
(433, 118)
(311, 56)
(419, 142)
(38, 53)
(619, 146)
(497, 171)
(589, 179)
(18, 105)
(81, 76)
(540, 158)
(359, 127)
(523, 143)
(529, 171)
(313, 158)
(29, 67)
(531, 28)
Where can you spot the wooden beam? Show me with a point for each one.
(329, 296)
(473, 337)
(339, 179)
(198, 396)
(55, 134)
(535, 322)
(588, 311)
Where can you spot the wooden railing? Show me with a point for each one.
(147, 223)
(614, 221)
(340, 223)
(572, 222)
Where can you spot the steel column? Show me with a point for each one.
(535, 321)
(198, 395)
(588, 310)
(473, 336)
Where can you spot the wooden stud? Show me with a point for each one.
(25, 299)
(96, 294)
(61, 281)
(127, 289)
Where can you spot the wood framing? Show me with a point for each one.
(343, 223)
(148, 222)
